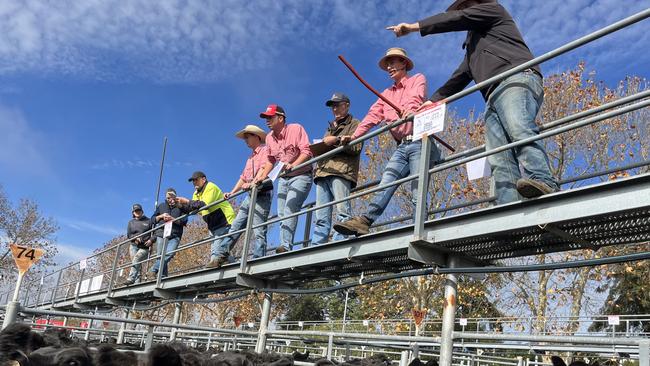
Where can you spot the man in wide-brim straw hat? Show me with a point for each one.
(408, 93)
(494, 45)
(256, 169)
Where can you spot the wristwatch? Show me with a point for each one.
(338, 140)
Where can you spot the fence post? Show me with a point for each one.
(177, 318)
(448, 314)
(264, 322)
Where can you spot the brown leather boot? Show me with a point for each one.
(531, 188)
(358, 225)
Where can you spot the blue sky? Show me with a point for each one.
(88, 89)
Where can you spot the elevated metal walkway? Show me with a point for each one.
(611, 213)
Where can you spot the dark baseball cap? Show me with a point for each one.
(272, 110)
(197, 174)
(337, 98)
(136, 207)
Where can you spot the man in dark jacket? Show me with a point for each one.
(139, 249)
(167, 211)
(494, 45)
(336, 176)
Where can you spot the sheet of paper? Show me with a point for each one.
(478, 168)
(316, 141)
(277, 169)
(83, 264)
(429, 122)
(168, 229)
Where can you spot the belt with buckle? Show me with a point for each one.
(405, 139)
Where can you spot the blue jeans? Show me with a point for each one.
(137, 256)
(214, 247)
(172, 244)
(405, 161)
(509, 117)
(292, 193)
(328, 189)
(261, 214)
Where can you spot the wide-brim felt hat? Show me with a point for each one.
(395, 52)
(252, 129)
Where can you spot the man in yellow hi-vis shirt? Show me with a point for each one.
(218, 217)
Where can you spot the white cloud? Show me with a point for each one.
(196, 41)
(23, 147)
(86, 226)
(68, 253)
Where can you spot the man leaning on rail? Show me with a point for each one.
(288, 144)
(408, 93)
(337, 175)
(256, 169)
(494, 45)
(140, 244)
(218, 217)
(167, 210)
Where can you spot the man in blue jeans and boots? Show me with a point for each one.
(140, 244)
(167, 211)
(219, 217)
(288, 144)
(336, 176)
(408, 93)
(255, 171)
(494, 45)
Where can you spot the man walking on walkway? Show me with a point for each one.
(494, 45)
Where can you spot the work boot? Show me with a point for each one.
(281, 249)
(358, 225)
(217, 262)
(531, 188)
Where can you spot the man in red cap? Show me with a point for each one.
(494, 45)
(288, 144)
(407, 92)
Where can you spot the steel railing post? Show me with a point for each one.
(421, 212)
(248, 234)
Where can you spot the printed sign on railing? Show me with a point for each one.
(429, 122)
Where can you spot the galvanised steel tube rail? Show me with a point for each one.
(479, 336)
(553, 132)
(135, 321)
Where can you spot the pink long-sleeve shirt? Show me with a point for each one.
(287, 145)
(408, 94)
(255, 162)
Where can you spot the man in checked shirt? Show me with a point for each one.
(408, 93)
(255, 171)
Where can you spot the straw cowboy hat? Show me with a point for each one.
(398, 52)
(458, 3)
(252, 129)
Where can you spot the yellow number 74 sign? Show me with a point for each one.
(25, 257)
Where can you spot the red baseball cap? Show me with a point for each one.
(272, 110)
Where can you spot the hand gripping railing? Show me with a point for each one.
(423, 174)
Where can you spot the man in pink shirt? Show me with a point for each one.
(256, 170)
(408, 93)
(288, 144)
